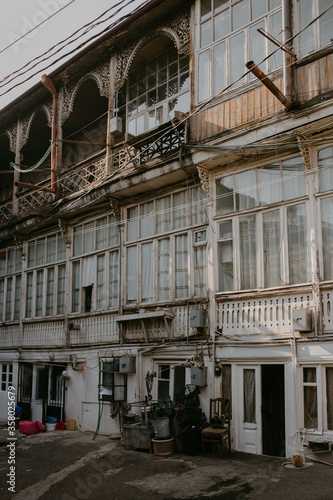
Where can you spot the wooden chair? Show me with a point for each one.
(216, 433)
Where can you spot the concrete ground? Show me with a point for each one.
(67, 465)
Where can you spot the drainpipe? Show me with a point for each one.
(288, 58)
(47, 82)
(251, 65)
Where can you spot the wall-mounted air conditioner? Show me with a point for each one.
(127, 364)
(116, 125)
(302, 320)
(197, 318)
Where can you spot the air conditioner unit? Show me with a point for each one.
(127, 364)
(106, 394)
(116, 125)
(197, 318)
(302, 320)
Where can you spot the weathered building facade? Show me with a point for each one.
(183, 216)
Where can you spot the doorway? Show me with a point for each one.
(273, 410)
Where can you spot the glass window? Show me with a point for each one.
(6, 376)
(248, 252)
(297, 244)
(164, 269)
(272, 248)
(147, 273)
(327, 236)
(325, 165)
(225, 256)
(182, 266)
(310, 398)
(249, 396)
(329, 397)
(245, 189)
(270, 184)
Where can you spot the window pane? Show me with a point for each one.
(275, 28)
(240, 14)
(297, 244)
(306, 37)
(9, 295)
(49, 291)
(327, 236)
(10, 261)
(181, 262)
(310, 407)
(163, 215)
(28, 310)
(147, 219)
(61, 289)
(199, 206)
(76, 287)
(249, 396)
(132, 274)
(88, 237)
(206, 33)
(181, 210)
(101, 292)
(200, 287)
(40, 252)
(325, 165)
(225, 229)
(219, 65)
(114, 279)
(325, 22)
(113, 231)
(257, 45)
(101, 233)
(222, 26)
(179, 380)
(309, 375)
(329, 397)
(147, 273)
(17, 305)
(248, 252)
(293, 178)
(61, 248)
(245, 187)
(31, 253)
(226, 271)
(2, 292)
(272, 243)
(205, 8)
(51, 246)
(39, 293)
(204, 75)
(164, 270)
(132, 223)
(237, 59)
(224, 195)
(258, 8)
(269, 183)
(77, 241)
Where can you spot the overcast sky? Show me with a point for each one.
(17, 17)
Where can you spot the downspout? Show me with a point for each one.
(48, 84)
(288, 58)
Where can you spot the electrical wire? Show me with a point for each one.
(80, 46)
(34, 28)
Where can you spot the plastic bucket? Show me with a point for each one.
(50, 427)
(161, 427)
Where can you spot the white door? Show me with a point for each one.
(249, 416)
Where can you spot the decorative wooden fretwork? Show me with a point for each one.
(82, 176)
(204, 179)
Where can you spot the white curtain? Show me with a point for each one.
(49, 291)
(132, 274)
(9, 298)
(76, 286)
(61, 289)
(132, 223)
(164, 270)
(200, 270)
(199, 206)
(147, 219)
(101, 233)
(181, 210)
(101, 291)
(248, 252)
(297, 244)
(114, 278)
(246, 188)
(226, 268)
(272, 250)
(293, 178)
(39, 293)
(325, 164)
(269, 184)
(163, 214)
(88, 237)
(18, 293)
(327, 236)
(147, 273)
(28, 306)
(88, 271)
(182, 268)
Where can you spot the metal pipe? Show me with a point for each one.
(288, 59)
(268, 84)
(47, 82)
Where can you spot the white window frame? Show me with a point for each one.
(320, 384)
(313, 30)
(10, 285)
(269, 47)
(6, 376)
(235, 217)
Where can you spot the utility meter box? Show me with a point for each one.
(127, 364)
(302, 320)
(199, 376)
(197, 318)
(116, 125)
